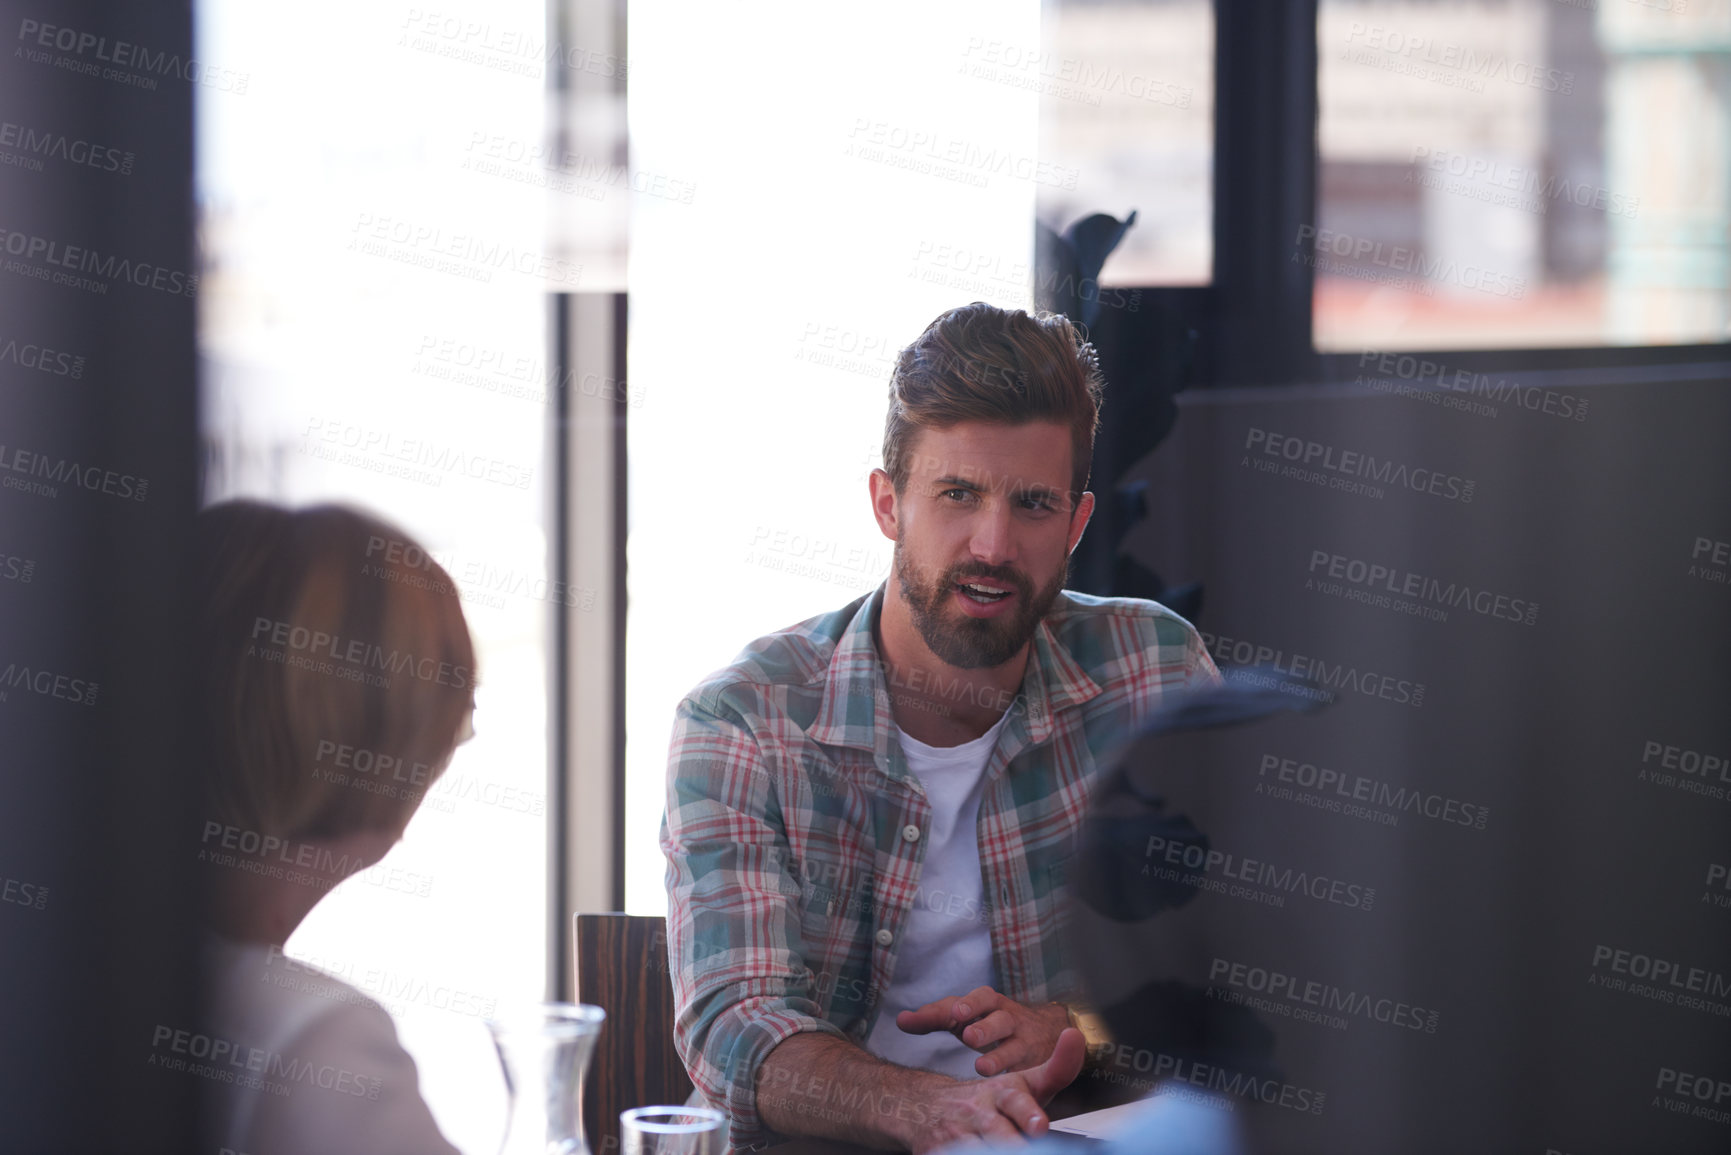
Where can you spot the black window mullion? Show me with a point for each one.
(1265, 112)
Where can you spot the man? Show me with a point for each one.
(869, 813)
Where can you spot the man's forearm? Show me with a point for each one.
(825, 1087)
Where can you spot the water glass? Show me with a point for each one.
(672, 1131)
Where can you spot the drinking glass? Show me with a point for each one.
(672, 1131)
(545, 1050)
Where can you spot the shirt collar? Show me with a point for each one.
(855, 710)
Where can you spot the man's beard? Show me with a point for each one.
(970, 643)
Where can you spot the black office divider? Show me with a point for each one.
(1482, 902)
(98, 464)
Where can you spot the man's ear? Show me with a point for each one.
(1079, 519)
(884, 504)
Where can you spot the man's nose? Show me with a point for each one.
(993, 541)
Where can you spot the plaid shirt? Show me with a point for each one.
(793, 826)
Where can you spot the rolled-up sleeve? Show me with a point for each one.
(741, 982)
(1199, 668)
(1176, 652)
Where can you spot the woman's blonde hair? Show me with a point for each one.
(337, 670)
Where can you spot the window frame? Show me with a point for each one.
(1256, 319)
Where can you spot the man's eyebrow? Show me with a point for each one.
(951, 481)
(1019, 489)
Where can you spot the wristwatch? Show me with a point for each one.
(1093, 1029)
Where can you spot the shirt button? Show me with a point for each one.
(910, 833)
(885, 938)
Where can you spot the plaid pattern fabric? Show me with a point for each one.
(792, 826)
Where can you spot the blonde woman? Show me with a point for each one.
(337, 680)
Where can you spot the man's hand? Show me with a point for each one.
(825, 1087)
(1003, 1107)
(1009, 1035)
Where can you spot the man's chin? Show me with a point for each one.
(976, 643)
(965, 641)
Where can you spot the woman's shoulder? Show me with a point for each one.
(260, 991)
(325, 1069)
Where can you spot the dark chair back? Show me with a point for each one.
(621, 964)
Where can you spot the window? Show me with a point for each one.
(853, 179)
(1522, 173)
(855, 173)
(1127, 113)
(373, 310)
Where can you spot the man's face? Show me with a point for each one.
(984, 528)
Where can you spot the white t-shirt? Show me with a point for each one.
(311, 1067)
(946, 946)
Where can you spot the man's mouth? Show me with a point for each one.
(986, 593)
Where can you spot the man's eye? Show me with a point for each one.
(1032, 502)
(957, 494)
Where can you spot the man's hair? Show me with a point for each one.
(983, 363)
(323, 632)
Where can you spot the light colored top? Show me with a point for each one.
(301, 1063)
(946, 945)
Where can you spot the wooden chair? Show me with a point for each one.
(621, 964)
